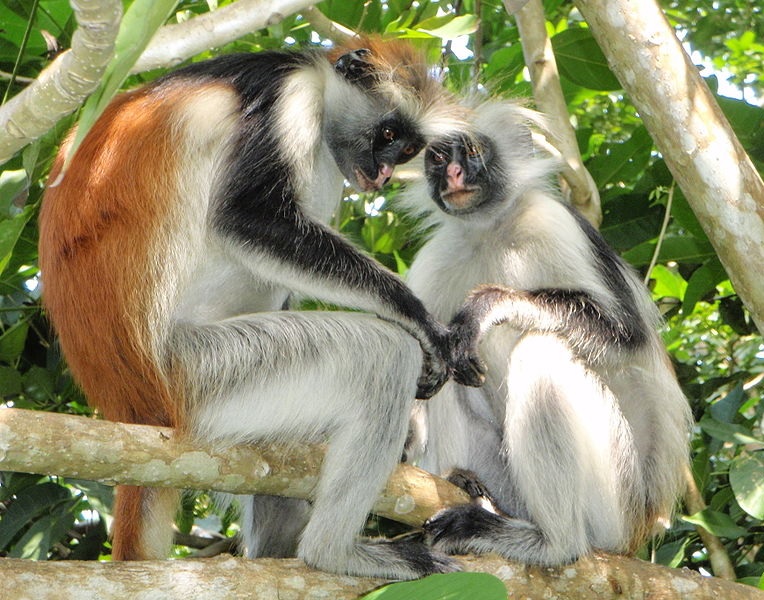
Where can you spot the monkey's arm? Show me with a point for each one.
(591, 329)
(294, 251)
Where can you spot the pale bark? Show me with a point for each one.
(173, 44)
(114, 453)
(73, 446)
(600, 577)
(688, 127)
(547, 92)
(63, 86)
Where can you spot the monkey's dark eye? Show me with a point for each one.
(409, 150)
(437, 157)
(474, 150)
(389, 134)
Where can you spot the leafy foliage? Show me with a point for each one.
(717, 352)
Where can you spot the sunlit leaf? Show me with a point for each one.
(717, 523)
(726, 432)
(747, 480)
(451, 586)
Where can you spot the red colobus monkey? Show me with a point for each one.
(191, 210)
(580, 431)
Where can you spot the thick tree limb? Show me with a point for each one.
(49, 443)
(539, 57)
(63, 86)
(701, 150)
(114, 453)
(175, 43)
(225, 578)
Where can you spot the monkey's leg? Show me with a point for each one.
(348, 379)
(271, 525)
(568, 448)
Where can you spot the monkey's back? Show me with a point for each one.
(112, 237)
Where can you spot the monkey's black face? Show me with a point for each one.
(463, 174)
(367, 157)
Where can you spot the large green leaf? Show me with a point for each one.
(624, 162)
(629, 220)
(717, 523)
(702, 282)
(747, 480)
(727, 432)
(580, 60)
(30, 503)
(44, 532)
(678, 248)
(451, 586)
(10, 230)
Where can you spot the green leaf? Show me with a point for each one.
(12, 185)
(702, 282)
(30, 503)
(10, 230)
(668, 284)
(450, 586)
(581, 61)
(725, 409)
(624, 162)
(717, 523)
(629, 220)
(43, 533)
(10, 382)
(39, 384)
(12, 341)
(448, 27)
(747, 480)
(677, 248)
(727, 432)
(138, 26)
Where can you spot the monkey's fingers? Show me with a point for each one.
(430, 382)
(469, 369)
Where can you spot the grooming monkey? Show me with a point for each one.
(192, 209)
(580, 431)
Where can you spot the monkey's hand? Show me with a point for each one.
(466, 365)
(435, 371)
(356, 67)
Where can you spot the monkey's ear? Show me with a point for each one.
(356, 67)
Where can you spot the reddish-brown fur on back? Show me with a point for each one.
(96, 230)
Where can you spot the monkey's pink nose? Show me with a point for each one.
(455, 176)
(385, 172)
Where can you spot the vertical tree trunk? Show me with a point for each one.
(707, 160)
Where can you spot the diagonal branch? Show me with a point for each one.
(62, 87)
(117, 453)
(175, 43)
(537, 49)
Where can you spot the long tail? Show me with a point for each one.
(143, 527)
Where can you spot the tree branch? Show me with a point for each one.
(117, 453)
(708, 162)
(539, 57)
(175, 43)
(49, 443)
(599, 577)
(325, 27)
(63, 86)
